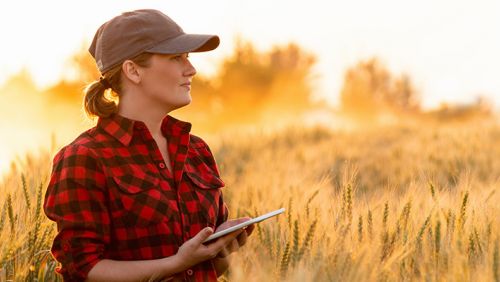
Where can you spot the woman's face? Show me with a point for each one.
(167, 81)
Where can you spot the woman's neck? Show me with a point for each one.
(151, 116)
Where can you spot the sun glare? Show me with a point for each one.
(452, 68)
(4, 162)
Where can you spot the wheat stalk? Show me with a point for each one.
(309, 202)
(285, 259)
(307, 240)
(360, 228)
(433, 191)
(10, 212)
(25, 191)
(463, 211)
(421, 231)
(370, 224)
(295, 247)
(496, 263)
(385, 216)
(437, 242)
(2, 216)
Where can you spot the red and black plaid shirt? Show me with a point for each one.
(113, 197)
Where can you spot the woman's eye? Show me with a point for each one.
(180, 57)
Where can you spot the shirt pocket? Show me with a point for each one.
(139, 201)
(206, 188)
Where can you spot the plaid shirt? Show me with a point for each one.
(113, 197)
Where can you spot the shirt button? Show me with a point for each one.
(161, 165)
(189, 272)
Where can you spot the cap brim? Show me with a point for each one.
(186, 43)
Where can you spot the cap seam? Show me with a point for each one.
(145, 50)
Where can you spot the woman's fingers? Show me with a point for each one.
(250, 229)
(233, 246)
(223, 243)
(194, 251)
(232, 242)
(203, 235)
(242, 238)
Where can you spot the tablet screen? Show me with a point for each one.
(244, 224)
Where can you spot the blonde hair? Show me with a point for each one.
(96, 102)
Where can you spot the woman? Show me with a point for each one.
(135, 197)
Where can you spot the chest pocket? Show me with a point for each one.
(206, 191)
(138, 200)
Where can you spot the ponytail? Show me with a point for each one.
(96, 102)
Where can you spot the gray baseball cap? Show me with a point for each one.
(139, 31)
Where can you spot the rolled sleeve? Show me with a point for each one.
(76, 201)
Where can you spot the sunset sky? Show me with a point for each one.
(450, 48)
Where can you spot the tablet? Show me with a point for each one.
(243, 224)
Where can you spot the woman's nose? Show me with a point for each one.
(190, 71)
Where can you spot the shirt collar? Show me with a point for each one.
(122, 128)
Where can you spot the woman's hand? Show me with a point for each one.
(194, 251)
(235, 244)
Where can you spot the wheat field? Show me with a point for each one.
(384, 203)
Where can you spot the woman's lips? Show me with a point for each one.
(187, 85)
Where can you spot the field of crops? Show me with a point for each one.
(394, 203)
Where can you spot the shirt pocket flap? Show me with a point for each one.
(133, 184)
(204, 177)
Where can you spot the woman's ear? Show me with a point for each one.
(131, 71)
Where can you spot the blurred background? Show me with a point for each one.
(280, 63)
(374, 123)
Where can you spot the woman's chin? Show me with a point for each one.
(181, 104)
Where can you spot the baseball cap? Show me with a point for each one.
(147, 30)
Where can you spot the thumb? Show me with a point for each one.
(203, 234)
